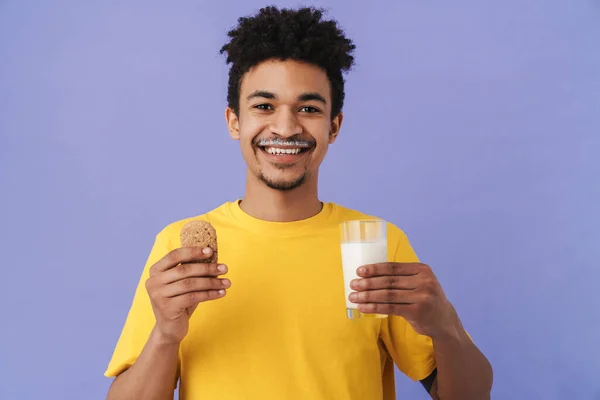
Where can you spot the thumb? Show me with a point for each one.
(190, 310)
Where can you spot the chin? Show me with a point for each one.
(284, 184)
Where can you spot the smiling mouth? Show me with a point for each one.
(283, 151)
(278, 147)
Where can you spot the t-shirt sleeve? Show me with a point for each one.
(410, 351)
(140, 319)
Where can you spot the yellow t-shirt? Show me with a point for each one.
(281, 332)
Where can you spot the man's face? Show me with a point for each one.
(284, 124)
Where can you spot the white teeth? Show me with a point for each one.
(286, 143)
(277, 150)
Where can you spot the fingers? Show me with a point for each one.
(190, 285)
(390, 268)
(191, 299)
(385, 282)
(179, 256)
(406, 310)
(190, 270)
(189, 278)
(387, 296)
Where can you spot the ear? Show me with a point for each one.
(233, 123)
(336, 125)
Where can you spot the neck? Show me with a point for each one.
(262, 202)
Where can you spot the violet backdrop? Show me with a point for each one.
(474, 126)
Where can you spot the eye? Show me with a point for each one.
(263, 107)
(309, 109)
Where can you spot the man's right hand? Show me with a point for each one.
(177, 284)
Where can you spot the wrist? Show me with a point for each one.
(449, 334)
(451, 330)
(158, 338)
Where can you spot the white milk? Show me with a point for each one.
(357, 254)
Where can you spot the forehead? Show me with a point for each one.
(286, 79)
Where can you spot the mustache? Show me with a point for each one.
(291, 141)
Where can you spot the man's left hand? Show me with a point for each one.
(409, 290)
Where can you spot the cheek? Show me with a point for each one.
(248, 131)
(318, 155)
(248, 151)
(321, 151)
(322, 143)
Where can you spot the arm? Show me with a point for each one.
(463, 372)
(177, 283)
(153, 376)
(411, 291)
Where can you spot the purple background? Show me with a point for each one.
(488, 114)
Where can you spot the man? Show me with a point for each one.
(268, 322)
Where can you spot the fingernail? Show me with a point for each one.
(222, 268)
(226, 282)
(221, 292)
(354, 284)
(207, 250)
(361, 270)
(353, 296)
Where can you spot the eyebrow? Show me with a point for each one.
(312, 96)
(261, 93)
(303, 97)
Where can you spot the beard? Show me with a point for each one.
(283, 185)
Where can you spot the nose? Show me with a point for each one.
(285, 123)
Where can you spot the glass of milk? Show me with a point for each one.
(363, 242)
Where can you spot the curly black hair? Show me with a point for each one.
(297, 34)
